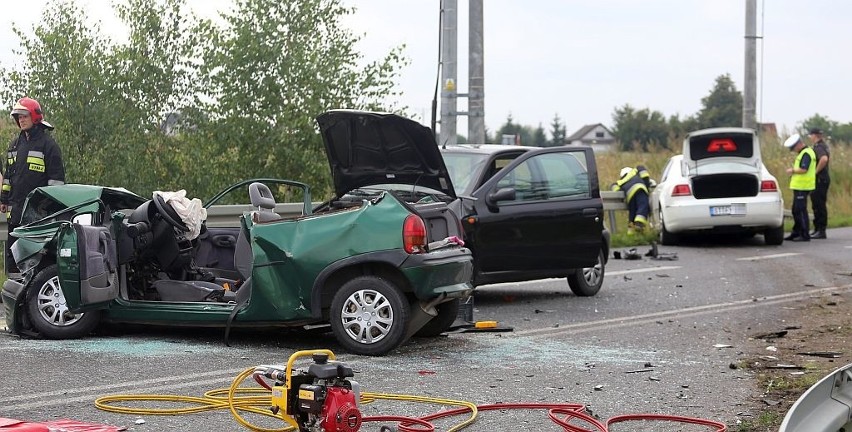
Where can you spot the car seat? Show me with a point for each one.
(262, 198)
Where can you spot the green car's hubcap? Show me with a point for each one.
(51, 304)
(367, 316)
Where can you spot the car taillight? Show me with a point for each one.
(768, 186)
(414, 234)
(681, 190)
(721, 146)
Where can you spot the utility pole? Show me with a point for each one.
(449, 78)
(750, 87)
(476, 75)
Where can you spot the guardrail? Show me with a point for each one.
(226, 215)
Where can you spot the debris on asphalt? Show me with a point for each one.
(599, 387)
(639, 371)
(785, 366)
(824, 354)
(654, 378)
(654, 253)
(771, 335)
(722, 346)
(771, 348)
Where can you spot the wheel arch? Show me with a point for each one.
(384, 264)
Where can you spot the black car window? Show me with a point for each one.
(521, 180)
(549, 176)
(564, 175)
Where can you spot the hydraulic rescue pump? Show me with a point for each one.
(319, 399)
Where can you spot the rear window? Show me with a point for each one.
(731, 145)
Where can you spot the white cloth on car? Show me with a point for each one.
(191, 211)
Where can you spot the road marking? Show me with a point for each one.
(762, 257)
(678, 313)
(642, 270)
(612, 273)
(135, 390)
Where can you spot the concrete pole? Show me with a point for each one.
(476, 75)
(750, 86)
(449, 72)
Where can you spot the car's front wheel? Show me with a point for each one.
(369, 316)
(49, 312)
(587, 281)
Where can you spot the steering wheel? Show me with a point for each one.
(169, 214)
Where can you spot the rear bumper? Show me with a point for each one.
(441, 273)
(694, 215)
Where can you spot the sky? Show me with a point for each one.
(581, 59)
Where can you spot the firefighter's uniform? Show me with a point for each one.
(33, 159)
(635, 182)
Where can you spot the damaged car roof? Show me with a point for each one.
(370, 148)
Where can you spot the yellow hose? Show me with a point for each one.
(256, 400)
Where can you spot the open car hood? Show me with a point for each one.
(730, 145)
(370, 148)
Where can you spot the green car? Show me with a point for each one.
(379, 269)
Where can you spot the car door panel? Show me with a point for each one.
(87, 263)
(553, 224)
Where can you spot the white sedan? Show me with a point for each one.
(719, 184)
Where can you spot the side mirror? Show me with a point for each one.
(502, 194)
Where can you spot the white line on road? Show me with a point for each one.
(642, 270)
(678, 313)
(762, 257)
(609, 273)
(188, 379)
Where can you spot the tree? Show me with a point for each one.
(245, 92)
(639, 130)
(723, 106)
(522, 134)
(557, 131)
(837, 131)
(539, 139)
(272, 69)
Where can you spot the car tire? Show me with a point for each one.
(774, 236)
(667, 238)
(447, 313)
(49, 313)
(356, 306)
(587, 281)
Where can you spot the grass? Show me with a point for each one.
(776, 158)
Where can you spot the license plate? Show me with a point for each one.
(728, 210)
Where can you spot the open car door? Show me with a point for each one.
(87, 262)
(541, 213)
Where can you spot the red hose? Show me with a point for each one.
(560, 413)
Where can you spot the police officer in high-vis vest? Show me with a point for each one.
(802, 182)
(33, 159)
(635, 182)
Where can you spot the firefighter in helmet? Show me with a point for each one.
(636, 183)
(33, 159)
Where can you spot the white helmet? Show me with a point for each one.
(625, 171)
(792, 141)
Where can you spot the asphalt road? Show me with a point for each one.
(660, 337)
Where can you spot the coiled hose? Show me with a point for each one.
(257, 400)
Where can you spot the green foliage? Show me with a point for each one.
(640, 129)
(833, 130)
(723, 106)
(524, 133)
(244, 94)
(557, 131)
(539, 139)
